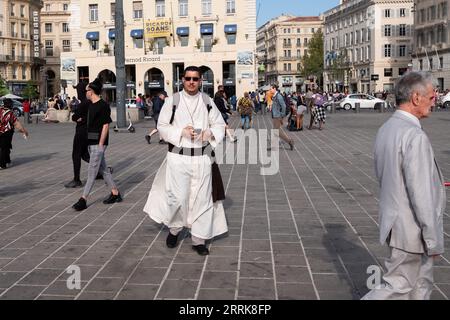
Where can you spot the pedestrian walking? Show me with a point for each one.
(8, 122)
(98, 120)
(157, 103)
(183, 193)
(412, 195)
(278, 109)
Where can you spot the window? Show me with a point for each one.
(387, 50)
(298, 30)
(289, 66)
(13, 30)
(402, 12)
(22, 31)
(184, 41)
(444, 9)
(231, 6)
(65, 27)
(137, 9)
(12, 10)
(387, 13)
(93, 45)
(14, 72)
(66, 45)
(441, 63)
(183, 8)
(231, 38)
(305, 42)
(312, 30)
(402, 30)
(24, 72)
(388, 72)
(158, 47)
(48, 27)
(113, 11)
(206, 7)
(402, 51)
(387, 30)
(22, 11)
(138, 43)
(160, 8)
(93, 12)
(430, 63)
(298, 54)
(47, 7)
(402, 71)
(49, 48)
(284, 66)
(420, 64)
(65, 6)
(22, 51)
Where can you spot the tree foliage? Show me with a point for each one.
(312, 62)
(30, 90)
(3, 89)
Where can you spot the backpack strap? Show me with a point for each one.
(176, 101)
(206, 101)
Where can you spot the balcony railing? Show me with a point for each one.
(12, 58)
(287, 45)
(14, 34)
(24, 36)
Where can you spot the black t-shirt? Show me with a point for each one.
(99, 114)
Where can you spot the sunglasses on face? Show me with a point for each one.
(195, 79)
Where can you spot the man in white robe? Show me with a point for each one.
(181, 194)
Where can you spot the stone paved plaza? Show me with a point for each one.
(308, 232)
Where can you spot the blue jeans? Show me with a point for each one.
(245, 119)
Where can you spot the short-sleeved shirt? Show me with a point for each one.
(99, 114)
(7, 120)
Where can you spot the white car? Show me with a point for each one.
(444, 101)
(365, 101)
(130, 103)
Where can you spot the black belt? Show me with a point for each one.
(190, 151)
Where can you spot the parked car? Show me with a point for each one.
(444, 101)
(365, 101)
(130, 103)
(17, 107)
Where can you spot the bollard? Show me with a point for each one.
(357, 107)
(333, 108)
(382, 108)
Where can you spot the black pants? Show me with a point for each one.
(79, 151)
(5, 148)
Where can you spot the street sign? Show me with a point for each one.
(375, 77)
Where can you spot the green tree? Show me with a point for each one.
(3, 89)
(30, 90)
(311, 64)
(340, 67)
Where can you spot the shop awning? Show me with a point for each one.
(183, 31)
(230, 28)
(93, 35)
(137, 33)
(206, 28)
(112, 34)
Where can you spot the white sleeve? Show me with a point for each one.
(168, 131)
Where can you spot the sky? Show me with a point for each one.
(269, 9)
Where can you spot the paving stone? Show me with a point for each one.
(178, 289)
(148, 276)
(219, 279)
(138, 292)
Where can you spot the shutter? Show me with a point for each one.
(406, 12)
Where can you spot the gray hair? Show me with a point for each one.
(414, 81)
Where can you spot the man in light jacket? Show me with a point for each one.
(412, 194)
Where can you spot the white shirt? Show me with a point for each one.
(411, 116)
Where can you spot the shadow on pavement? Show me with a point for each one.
(22, 160)
(348, 257)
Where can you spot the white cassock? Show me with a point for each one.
(181, 194)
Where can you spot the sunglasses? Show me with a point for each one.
(195, 79)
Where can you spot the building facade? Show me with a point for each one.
(161, 39)
(281, 43)
(55, 38)
(20, 58)
(367, 45)
(431, 51)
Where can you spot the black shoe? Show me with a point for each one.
(291, 144)
(162, 142)
(99, 176)
(113, 198)
(171, 240)
(80, 205)
(201, 249)
(147, 137)
(73, 184)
